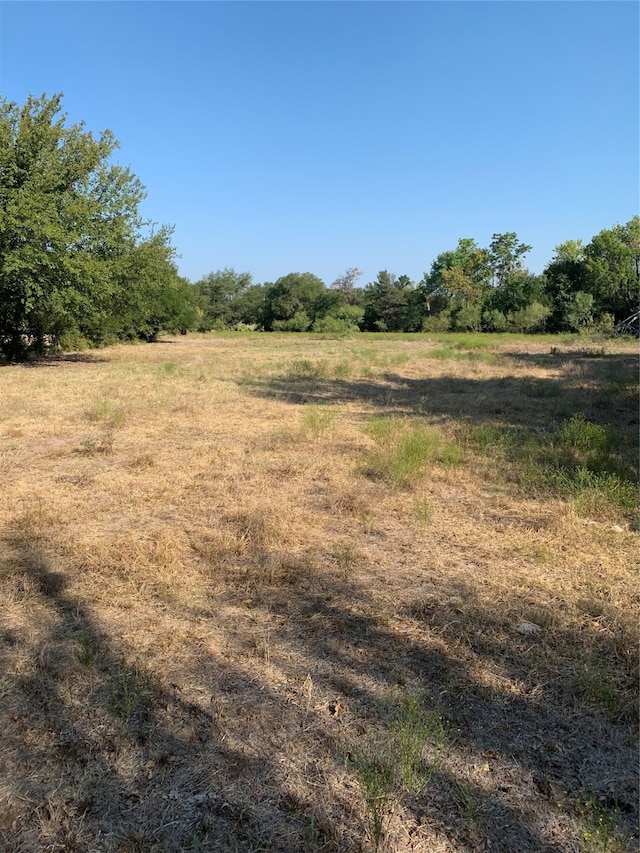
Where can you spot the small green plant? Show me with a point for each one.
(464, 800)
(375, 775)
(87, 651)
(102, 411)
(405, 755)
(170, 367)
(418, 734)
(383, 430)
(305, 368)
(600, 832)
(128, 688)
(423, 510)
(581, 436)
(318, 419)
(342, 369)
(346, 558)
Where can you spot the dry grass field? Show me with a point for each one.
(277, 593)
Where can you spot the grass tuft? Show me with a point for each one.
(407, 448)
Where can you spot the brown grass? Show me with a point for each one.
(214, 603)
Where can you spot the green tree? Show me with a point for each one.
(612, 263)
(505, 257)
(289, 302)
(149, 295)
(570, 250)
(71, 238)
(564, 276)
(248, 306)
(587, 285)
(218, 295)
(579, 311)
(385, 303)
(458, 278)
(346, 285)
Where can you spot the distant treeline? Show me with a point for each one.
(469, 288)
(79, 267)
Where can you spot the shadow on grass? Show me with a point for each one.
(102, 753)
(531, 402)
(55, 360)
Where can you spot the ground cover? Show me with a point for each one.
(277, 592)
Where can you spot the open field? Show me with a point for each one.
(276, 593)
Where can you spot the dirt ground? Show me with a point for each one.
(229, 621)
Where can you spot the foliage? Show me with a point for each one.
(531, 318)
(73, 257)
(505, 257)
(289, 303)
(385, 303)
(341, 320)
(467, 319)
(613, 269)
(589, 285)
(346, 285)
(219, 296)
(79, 267)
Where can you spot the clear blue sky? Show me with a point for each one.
(313, 136)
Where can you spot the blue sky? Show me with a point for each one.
(314, 136)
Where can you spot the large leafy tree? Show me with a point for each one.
(506, 257)
(219, 296)
(289, 302)
(593, 283)
(612, 261)
(386, 302)
(458, 280)
(73, 256)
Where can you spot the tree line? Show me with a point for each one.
(79, 266)
(468, 288)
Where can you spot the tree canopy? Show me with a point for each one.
(75, 261)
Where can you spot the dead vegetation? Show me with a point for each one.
(270, 592)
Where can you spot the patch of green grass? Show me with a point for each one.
(454, 353)
(398, 358)
(128, 689)
(580, 460)
(306, 368)
(87, 651)
(601, 831)
(585, 437)
(318, 419)
(383, 430)
(102, 411)
(375, 775)
(407, 448)
(403, 757)
(464, 800)
(342, 369)
(599, 688)
(418, 734)
(423, 510)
